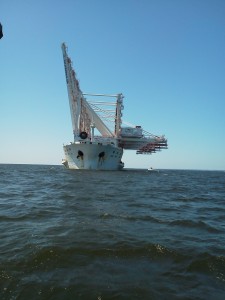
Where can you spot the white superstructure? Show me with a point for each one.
(104, 150)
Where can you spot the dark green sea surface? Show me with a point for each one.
(128, 234)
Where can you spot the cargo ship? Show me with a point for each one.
(99, 134)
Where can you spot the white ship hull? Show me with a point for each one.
(92, 156)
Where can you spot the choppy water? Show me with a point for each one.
(111, 235)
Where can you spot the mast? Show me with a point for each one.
(74, 93)
(118, 116)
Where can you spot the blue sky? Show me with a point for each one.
(165, 56)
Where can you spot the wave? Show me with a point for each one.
(122, 269)
(195, 224)
(208, 264)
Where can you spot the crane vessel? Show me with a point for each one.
(99, 132)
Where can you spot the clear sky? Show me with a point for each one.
(165, 56)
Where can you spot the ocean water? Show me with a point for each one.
(128, 234)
